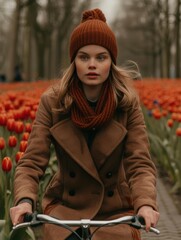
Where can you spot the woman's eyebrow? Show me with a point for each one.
(82, 52)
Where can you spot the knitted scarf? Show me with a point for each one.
(86, 117)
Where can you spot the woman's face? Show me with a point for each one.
(93, 64)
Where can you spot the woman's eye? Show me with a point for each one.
(101, 57)
(83, 57)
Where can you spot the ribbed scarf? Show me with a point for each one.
(86, 117)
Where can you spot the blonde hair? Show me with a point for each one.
(123, 87)
(121, 81)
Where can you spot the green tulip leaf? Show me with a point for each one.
(2, 223)
(22, 234)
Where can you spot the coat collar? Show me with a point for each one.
(73, 142)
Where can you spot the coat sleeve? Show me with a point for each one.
(140, 170)
(36, 157)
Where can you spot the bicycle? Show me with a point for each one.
(35, 219)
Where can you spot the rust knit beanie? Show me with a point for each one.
(93, 29)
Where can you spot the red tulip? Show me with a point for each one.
(10, 124)
(1, 107)
(28, 127)
(26, 112)
(16, 104)
(17, 114)
(178, 132)
(156, 114)
(35, 107)
(3, 119)
(174, 116)
(10, 114)
(23, 146)
(18, 156)
(179, 117)
(8, 105)
(19, 127)
(32, 115)
(170, 122)
(164, 113)
(6, 164)
(12, 141)
(2, 143)
(25, 136)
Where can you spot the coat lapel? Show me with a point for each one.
(106, 140)
(74, 143)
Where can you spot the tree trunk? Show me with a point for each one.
(167, 42)
(13, 42)
(177, 24)
(54, 54)
(40, 56)
(27, 54)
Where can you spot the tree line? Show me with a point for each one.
(149, 32)
(35, 36)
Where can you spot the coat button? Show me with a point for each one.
(109, 175)
(72, 192)
(110, 193)
(72, 174)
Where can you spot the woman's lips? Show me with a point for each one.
(92, 75)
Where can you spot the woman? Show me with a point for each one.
(96, 125)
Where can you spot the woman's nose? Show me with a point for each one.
(92, 63)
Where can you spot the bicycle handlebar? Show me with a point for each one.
(37, 219)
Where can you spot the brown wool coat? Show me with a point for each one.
(89, 183)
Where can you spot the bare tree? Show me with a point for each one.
(13, 38)
(38, 36)
(69, 17)
(4, 21)
(49, 25)
(137, 34)
(178, 37)
(149, 34)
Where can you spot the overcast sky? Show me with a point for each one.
(110, 7)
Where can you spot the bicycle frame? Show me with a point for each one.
(85, 224)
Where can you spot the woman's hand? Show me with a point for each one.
(150, 216)
(17, 213)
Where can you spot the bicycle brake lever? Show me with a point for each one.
(136, 223)
(32, 218)
(139, 223)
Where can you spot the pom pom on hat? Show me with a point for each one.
(93, 29)
(93, 14)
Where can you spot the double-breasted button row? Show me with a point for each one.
(72, 192)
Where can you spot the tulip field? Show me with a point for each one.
(18, 105)
(161, 104)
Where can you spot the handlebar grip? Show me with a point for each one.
(28, 217)
(142, 222)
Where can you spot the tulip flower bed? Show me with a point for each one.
(161, 104)
(18, 105)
